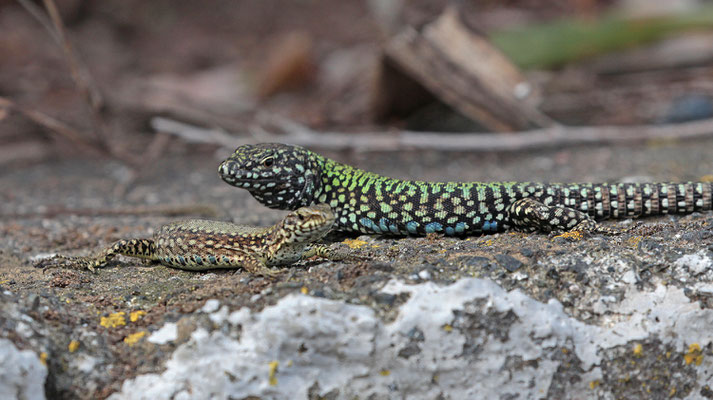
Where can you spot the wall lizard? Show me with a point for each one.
(199, 245)
(287, 177)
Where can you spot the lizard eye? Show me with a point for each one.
(268, 162)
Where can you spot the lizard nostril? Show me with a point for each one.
(223, 168)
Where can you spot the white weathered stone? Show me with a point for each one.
(22, 375)
(442, 341)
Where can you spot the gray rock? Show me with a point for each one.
(508, 262)
(470, 331)
(22, 375)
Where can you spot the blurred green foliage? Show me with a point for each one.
(556, 43)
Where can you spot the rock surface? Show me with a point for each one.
(502, 316)
(443, 339)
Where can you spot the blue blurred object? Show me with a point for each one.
(689, 108)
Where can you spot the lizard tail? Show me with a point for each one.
(142, 248)
(632, 200)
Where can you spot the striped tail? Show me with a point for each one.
(141, 248)
(632, 200)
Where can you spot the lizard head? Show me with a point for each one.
(307, 224)
(278, 175)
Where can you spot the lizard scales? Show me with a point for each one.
(287, 177)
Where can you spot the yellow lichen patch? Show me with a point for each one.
(273, 372)
(447, 327)
(638, 350)
(444, 250)
(354, 243)
(375, 246)
(488, 242)
(646, 387)
(73, 346)
(672, 392)
(384, 372)
(594, 384)
(135, 315)
(4, 281)
(304, 290)
(573, 235)
(113, 320)
(634, 241)
(43, 358)
(134, 338)
(694, 354)
(565, 350)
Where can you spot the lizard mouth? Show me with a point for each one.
(235, 176)
(245, 182)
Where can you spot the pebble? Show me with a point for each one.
(508, 262)
(211, 306)
(385, 298)
(629, 277)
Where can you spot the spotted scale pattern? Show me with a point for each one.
(286, 177)
(201, 245)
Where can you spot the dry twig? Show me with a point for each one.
(555, 137)
(54, 125)
(36, 12)
(80, 75)
(102, 145)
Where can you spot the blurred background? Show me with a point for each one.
(133, 80)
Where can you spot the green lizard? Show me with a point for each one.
(199, 245)
(287, 177)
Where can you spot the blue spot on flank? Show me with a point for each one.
(226, 259)
(450, 231)
(412, 227)
(198, 259)
(181, 260)
(384, 225)
(460, 227)
(394, 229)
(167, 259)
(212, 260)
(434, 227)
(490, 226)
(369, 224)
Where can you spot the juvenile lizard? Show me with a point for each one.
(287, 177)
(199, 245)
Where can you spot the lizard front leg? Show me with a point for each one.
(326, 252)
(253, 266)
